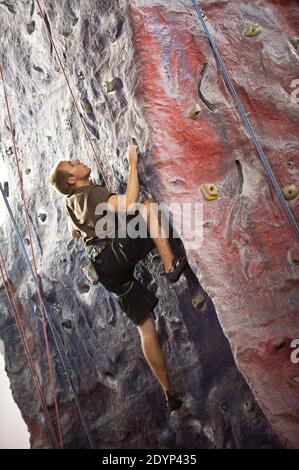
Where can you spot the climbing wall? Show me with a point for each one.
(144, 69)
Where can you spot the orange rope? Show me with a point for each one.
(17, 316)
(71, 91)
(50, 360)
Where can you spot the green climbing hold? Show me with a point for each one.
(252, 30)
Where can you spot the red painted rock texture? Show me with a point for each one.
(247, 260)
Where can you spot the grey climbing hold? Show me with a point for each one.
(295, 42)
(252, 30)
(67, 324)
(30, 27)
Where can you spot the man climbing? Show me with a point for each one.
(115, 258)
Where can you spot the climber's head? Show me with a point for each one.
(68, 175)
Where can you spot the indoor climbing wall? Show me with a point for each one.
(144, 69)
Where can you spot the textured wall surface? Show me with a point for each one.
(230, 358)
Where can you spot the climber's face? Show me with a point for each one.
(76, 169)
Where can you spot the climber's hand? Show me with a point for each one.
(132, 155)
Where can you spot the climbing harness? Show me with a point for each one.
(246, 121)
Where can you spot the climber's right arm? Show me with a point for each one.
(122, 203)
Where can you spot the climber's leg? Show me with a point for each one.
(157, 233)
(153, 352)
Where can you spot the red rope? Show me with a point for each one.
(71, 91)
(49, 357)
(17, 316)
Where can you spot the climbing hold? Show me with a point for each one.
(83, 288)
(113, 85)
(42, 217)
(290, 192)
(223, 407)
(210, 191)
(198, 300)
(67, 324)
(9, 151)
(295, 42)
(107, 86)
(195, 112)
(252, 30)
(30, 27)
(248, 406)
(80, 76)
(290, 165)
(202, 13)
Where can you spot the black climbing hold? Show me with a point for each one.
(80, 76)
(211, 106)
(66, 324)
(9, 151)
(42, 217)
(37, 68)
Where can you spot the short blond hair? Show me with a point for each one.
(59, 180)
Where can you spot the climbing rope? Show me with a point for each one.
(49, 357)
(33, 269)
(247, 123)
(17, 316)
(71, 91)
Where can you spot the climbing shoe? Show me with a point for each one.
(179, 263)
(173, 401)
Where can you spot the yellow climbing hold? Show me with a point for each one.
(290, 192)
(252, 30)
(195, 112)
(198, 300)
(210, 191)
(108, 86)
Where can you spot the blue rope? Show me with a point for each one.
(20, 239)
(247, 123)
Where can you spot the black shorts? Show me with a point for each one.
(115, 268)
